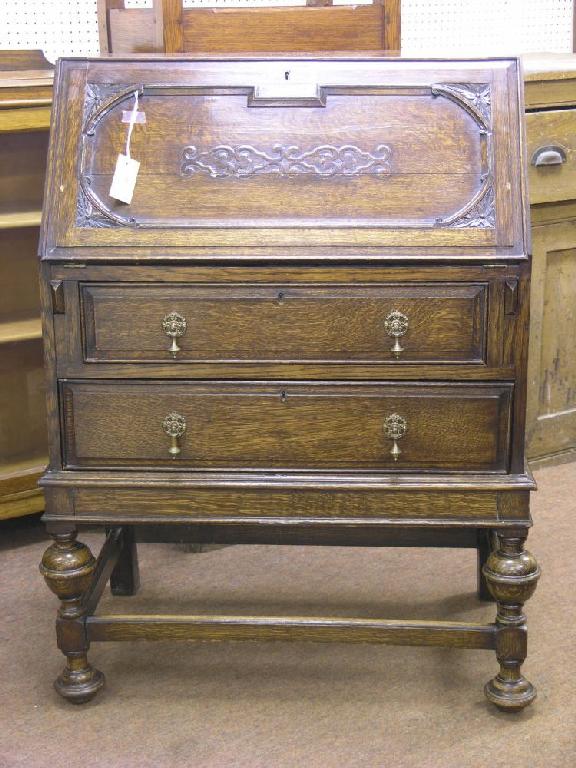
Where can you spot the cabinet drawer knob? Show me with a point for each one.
(174, 325)
(396, 325)
(174, 425)
(552, 155)
(395, 427)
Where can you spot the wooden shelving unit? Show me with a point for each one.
(20, 219)
(25, 104)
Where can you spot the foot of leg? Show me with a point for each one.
(79, 681)
(511, 574)
(509, 690)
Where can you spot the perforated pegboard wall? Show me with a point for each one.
(58, 27)
(485, 27)
(429, 27)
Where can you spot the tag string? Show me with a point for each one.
(131, 124)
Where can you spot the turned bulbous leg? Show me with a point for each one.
(67, 567)
(511, 574)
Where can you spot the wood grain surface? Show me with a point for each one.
(304, 323)
(285, 207)
(253, 425)
(275, 159)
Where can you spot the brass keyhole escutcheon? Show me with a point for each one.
(395, 427)
(396, 325)
(174, 425)
(174, 325)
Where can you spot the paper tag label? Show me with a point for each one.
(138, 119)
(124, 180)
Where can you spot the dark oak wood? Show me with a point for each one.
(125, 577)
(309, 327)
(268, 187)
(280, 628)
(285, 425)
(304, 323)
(484, 547)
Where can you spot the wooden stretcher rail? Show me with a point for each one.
(169, 627)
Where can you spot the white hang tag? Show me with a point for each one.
(124, 180)
(126, 172)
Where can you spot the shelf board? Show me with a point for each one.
(20, 330)
(19, 477)
(16, 219)
(22, 504)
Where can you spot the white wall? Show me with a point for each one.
(429, 27)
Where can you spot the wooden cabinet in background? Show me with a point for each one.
(551, 144)
(318, 25)
(25, 101)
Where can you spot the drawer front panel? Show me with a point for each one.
(286, 323)
(285, 426)
(551, 139)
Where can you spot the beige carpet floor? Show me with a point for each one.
(289, 705)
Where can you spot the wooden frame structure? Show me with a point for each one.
(167, 27)
(225, 440)
(81, 588)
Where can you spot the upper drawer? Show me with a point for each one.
(371, 324)
(551, 154)
(288, 153)
(217, 425)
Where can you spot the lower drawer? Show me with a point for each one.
(313, 426)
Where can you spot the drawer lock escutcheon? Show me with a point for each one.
(396, 325)
(174, 425)
(395, 427)
(174, 325)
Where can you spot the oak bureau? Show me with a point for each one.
(308, 325)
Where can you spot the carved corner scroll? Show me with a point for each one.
(475, 98)
(241, 162)
(100, 99)
(479, 213)
(91, 211)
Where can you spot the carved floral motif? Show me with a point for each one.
(476, 99)
(482, 215)
(395, 426)
(226, 161)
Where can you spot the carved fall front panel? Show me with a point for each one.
(416, 158)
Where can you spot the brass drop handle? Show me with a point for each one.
(395, 427)
(174, 325)
(174, 425)
(552, 155)
(396, 325)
